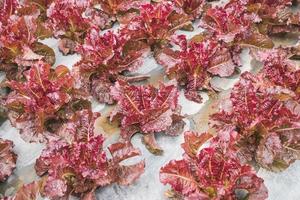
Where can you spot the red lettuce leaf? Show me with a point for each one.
(262, 55)
(7, 8)
(79, 127)
(66, 46)
(96, 17)
(193, 141)
(193, 8)
(282, 72)
(124, 174)
(150, 142)
(35, 7)
(180, 176)
(8, 159)
(28, 191)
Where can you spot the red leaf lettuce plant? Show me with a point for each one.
(193, 8)
(266, 116)
(41, 102)
(213, 172)
(277, 17)
(28, 191)
(196, 62)
(147, 110)
(68, 22)
(19, 46)
(104, 59)
(235, 25)
(120, 10)
(78, 165)
(156, 24)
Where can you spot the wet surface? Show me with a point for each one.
(103, 124)
(200, 121)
